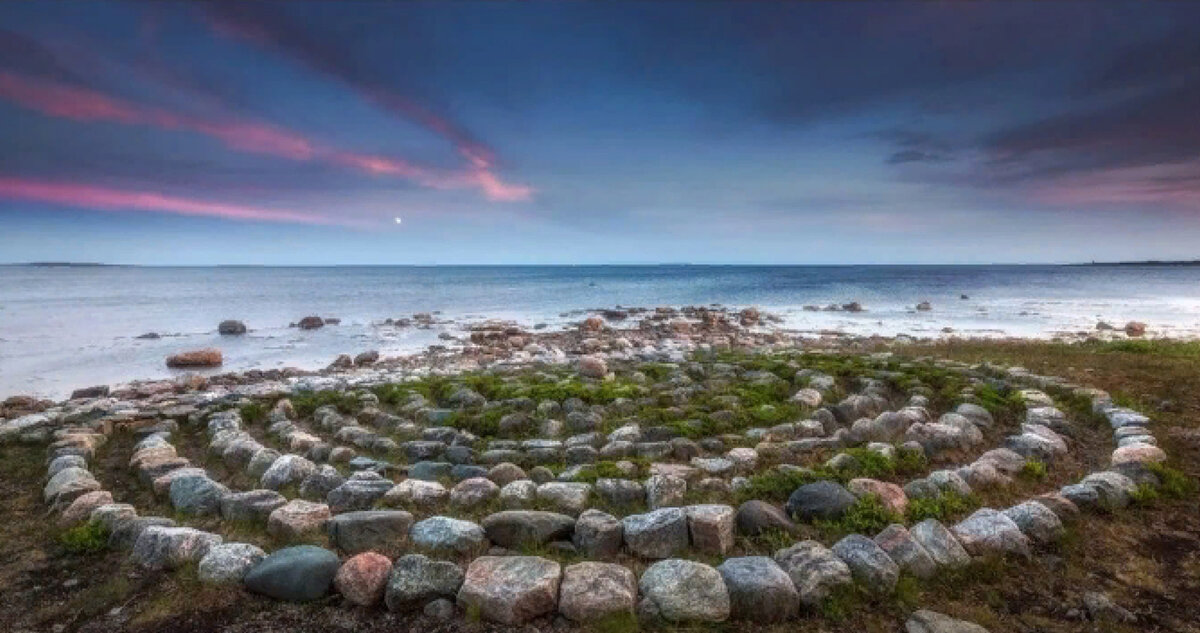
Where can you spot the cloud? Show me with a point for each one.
(103, 198)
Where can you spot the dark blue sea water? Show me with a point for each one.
(64, 327)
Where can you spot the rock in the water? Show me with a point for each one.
(361, 580)
(657, 534)
(814, 569)
(161, 547)
(296, 574)
(446, 534)
(516, 528)
(510, 589)
(759, 590)
(819, 500)
(231, 328)
(227, 563)
(598, 534)
(868, 563)
(310, 323)
(755, 517)
(416, 580)
(925, 621)
(209, 357)
(685, 591)
(909, 555)
(987, 531)
(383, 531)
(594, 591)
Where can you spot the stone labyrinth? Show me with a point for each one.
(731, 486)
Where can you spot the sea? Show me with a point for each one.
(64, 327)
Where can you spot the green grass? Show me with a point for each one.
(86, 538)
(1175, 349)
(945, 507)
(776, 485)
(867, 516)
(1173, 483)
(305, 402)
(1033, 470)
(253, 412)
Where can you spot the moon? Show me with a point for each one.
(398, 220)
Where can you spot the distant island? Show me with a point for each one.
(1148, 262)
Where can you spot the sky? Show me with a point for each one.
(329, 133)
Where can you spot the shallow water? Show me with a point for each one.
(67, 327)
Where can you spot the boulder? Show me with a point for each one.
(287, 470)
(711, 528)
(908, 554)
(814, 570)
(416, 580)
(383, 531)
(231, 328)
(1138, 453)
(297, 519)
(473, 492)
(296, 574)
(819, 500)
(869, 564)
(516, 528)
(755, 517)
(593, 367)
(83, 506)
(209, 357)
(568, 498)
(759, 590)
(417, 493)
(362, 579)
(657, 534)
(890, 495)
(987, 531)
(510, 589)
(68, 484)
(943, 547)
(678, 590)
(1036, 521)
(252, 506)
(925, 621)
(445, 534)
(159, 547)
(127, 530)
(310, 323)
(521, 493)
(591, 592)
(598, 535)
(197, 495)
(663, 491)
(227, 563)
(359, 492)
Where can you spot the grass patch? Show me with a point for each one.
(776, 484)
(867, 516)
(305, 402)
(1033, 470)
(946, 506)
(1173, 483)
(85, 538)
(253, 412)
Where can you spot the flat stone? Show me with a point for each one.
(416, 580)
(814, 569)
(925, 621)
(446, 534)
(517, 528)
(197, 495)
(110, 515)
(518, 494)
(819, 500)
(362, 579)
(620, 492)
(510, 589)
(126, 532)
(941, 545)
(357, 493)
(987, 531)
(473, 492)
(685, 591)
(598, 534)
(869, 564)
(759, 590)
(417, 493)
(83, 505)
(890, 495)
(252, 506)
(382, 531)
(1138, 453)
(172, 547)
(568, 498)
(1115, 490)
(298, 519)
(296, 574)
(591, 592)
(665, 491)
(227, 563)
(287, 470)
(711, 528)
(1036, 521)
(657, 534)
(1059, 505)
(68, 484)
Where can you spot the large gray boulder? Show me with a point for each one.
(814, 569)
(819, 500)
(1036, 521)
(510, 589)
(69, 483)
(759, 590)
(359, 492)
(159, 547)
(197, 495)
(755, 517)
(711, 528)
(228, 563)
(296, 574)
(287, 470)
(941, 545)
(598, 534)
(416, 580)
(591, 592)
(516, 528)
(383, 531)
(252, 506)
(566, 497)
(657, 534)
(446, 534)
(868, 563)
(678, 590)
(987, 531)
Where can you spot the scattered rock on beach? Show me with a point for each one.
(924, 307)
(209, 357)
(1135, 328)
(310, 323)
(231, 328)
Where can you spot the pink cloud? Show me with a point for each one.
(103, 198)
(1175, 186)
